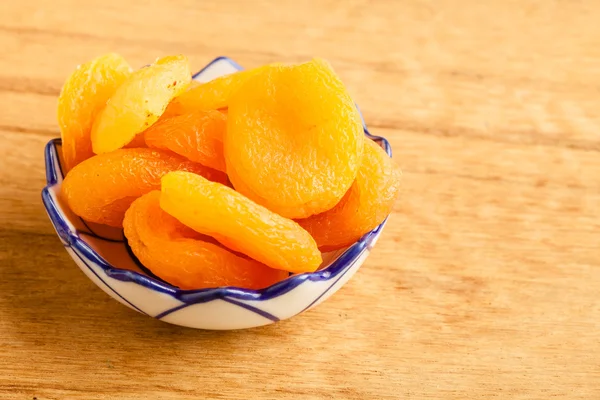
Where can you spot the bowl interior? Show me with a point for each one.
(107, 247)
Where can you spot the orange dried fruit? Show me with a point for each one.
(193, 84)
(211, 95)
(101, 188)
(240, 224)
(197, 136)
(175, 108)
(368, 202)
(139, 102)
(137, 142)
(82, 97)
(181, 256)
(294, 139)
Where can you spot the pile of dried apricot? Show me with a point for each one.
(239, 181)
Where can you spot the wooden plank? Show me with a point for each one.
(485, 281)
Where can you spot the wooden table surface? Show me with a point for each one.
(486, 282)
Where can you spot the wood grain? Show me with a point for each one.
(485, 283)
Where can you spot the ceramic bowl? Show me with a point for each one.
(103, 255)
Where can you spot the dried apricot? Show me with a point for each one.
(101, 188)
(211, 95)
(175, 108)
(368, 202)
(137, 142)
(82, 97)
(139, 102)
(240, 224)
(294, 139)
(181, 257)
(197, 136)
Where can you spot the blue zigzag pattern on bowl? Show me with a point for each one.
(83, 260)
(71, 238)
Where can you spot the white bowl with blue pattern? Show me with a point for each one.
(104, 256)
